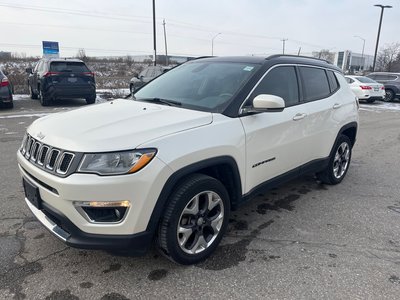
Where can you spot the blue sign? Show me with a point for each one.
(50, 49)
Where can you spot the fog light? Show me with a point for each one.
(103, 211)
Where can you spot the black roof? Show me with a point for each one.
(276, 59)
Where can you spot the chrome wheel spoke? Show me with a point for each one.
(341, 160)
(183, 234)
(200, 245)
(217, 223)
(193, 207)
(213, 200)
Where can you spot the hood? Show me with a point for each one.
(116, 125)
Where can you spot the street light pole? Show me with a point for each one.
(283, 45)
(165, 40)
(362, 53)
(212, 43)
(379, 31)
(154, 32)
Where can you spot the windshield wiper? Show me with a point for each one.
(161, 100)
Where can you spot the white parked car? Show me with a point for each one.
(169, 166)
(366, 89)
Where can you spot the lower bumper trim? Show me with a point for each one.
(59, 225)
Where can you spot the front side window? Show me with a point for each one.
(315, 83)
(282, 82)
(199, 85)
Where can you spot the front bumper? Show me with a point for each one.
(65, 230)
(64, 220)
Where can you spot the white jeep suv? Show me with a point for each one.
(169, 165)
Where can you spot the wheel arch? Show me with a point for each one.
(223, 168)
(349, 130)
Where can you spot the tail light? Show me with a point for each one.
(383, 87)
(48, 74)
(91, 74)
(365, 87)
(4, 82)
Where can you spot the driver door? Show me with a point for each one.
(274, 140)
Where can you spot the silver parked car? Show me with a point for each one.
(147, 75)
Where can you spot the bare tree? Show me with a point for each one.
(325, 54)
(81, 54)
(388, 57)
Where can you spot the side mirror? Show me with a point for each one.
(141, 77)
(265, 102)
(28, 70)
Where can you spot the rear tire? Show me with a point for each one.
(339, 162)
(43, 100)
(9, 105)
(389, 96)
(91, 100)
(195, 219)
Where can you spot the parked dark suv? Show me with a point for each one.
(6, 98)
(53, 79)
(391, 81)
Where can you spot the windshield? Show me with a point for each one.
(365, 79)
(206, 86)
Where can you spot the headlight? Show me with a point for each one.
(116, 163)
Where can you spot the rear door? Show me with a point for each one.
(324, 103)
(67, 73)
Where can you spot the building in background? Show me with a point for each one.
(352, 62)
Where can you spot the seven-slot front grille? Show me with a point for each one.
(50, 159)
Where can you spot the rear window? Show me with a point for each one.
(365, 79)
(333, 83)
(315, 83)
(74, 67)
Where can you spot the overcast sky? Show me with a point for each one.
(121, 27)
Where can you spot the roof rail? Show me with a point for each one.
(300, 56)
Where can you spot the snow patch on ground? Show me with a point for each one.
(381, 106)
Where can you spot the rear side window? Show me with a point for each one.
(333, 83)
(282, 82)
(315, 83)
(349, 80)
(74, 67)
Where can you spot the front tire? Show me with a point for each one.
(32, 94)
(389, 96)
(195, 220)
(339, 162)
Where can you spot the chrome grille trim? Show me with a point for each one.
(64, 157)
(43, 155)
(50, 159)
(50, 164)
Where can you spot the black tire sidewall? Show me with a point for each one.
(174, 250)
(391, 96)
(332, 178)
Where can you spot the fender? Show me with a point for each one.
(190, 169)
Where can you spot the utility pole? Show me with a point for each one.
(154, 32)
(298, 53)
(283, 45)
(379, 31)
(165, 40)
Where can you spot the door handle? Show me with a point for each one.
(299, 116)
(336, 105)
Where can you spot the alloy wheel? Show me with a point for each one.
(341, 160)
(200, 222)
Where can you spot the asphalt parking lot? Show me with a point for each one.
(303, 240)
